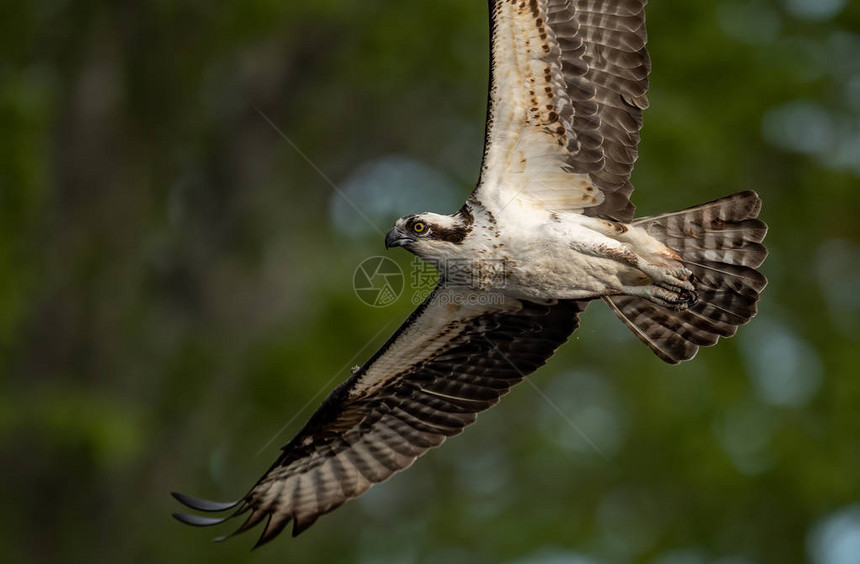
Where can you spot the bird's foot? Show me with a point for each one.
(673, 276)
(673, 285)
(674, 298)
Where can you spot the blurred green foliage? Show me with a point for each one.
(174, 288)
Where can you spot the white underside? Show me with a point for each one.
(561, 255)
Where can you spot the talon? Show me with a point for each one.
(690, 298)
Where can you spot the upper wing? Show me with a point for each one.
(449, 361)
(568, 85)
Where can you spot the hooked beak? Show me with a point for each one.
(397, 238)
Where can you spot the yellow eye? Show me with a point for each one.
(419, 227)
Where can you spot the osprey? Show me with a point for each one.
(548, 228)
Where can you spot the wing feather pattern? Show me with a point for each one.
(569, 81)
(428, 382)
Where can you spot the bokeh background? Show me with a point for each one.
(176, 285)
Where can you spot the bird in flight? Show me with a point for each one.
(548, 229)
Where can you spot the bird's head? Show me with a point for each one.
(430, 235)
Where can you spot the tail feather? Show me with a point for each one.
(663, 330)
(720, 242)
(717, 276)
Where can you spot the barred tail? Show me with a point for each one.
(720, 242)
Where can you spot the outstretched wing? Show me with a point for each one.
(567, 88)
(450, 360)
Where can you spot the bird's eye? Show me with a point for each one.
(419, 227)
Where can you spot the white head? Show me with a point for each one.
(429, 235)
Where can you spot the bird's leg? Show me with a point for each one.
(671, 283)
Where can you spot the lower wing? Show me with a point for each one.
(450, 360)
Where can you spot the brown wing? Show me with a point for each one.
(609, 93)
(567, 90)
(428, 382)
